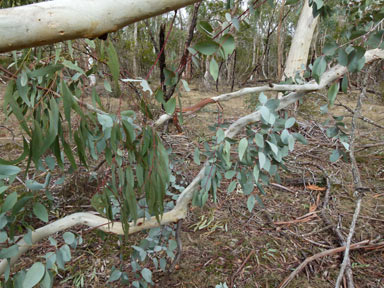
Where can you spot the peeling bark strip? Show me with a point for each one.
(54, 21)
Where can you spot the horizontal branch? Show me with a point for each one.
(327, 78)
(181, 208)
(55, 21)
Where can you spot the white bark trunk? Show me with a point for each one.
(301, 42)
(55, 21)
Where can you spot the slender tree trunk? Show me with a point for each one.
(134, 60)
(162, 64)
(280, 42)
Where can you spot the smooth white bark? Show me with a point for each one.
(301, 42)
(54, 21)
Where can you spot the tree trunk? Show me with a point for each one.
(134, 61)
(280, 42)
(301, 42)
(54, 21)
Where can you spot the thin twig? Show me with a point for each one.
(357, 183)
(320, 255)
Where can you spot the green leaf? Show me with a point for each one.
(330, 47)
(34, 185)
(113, 61)
(356, 59)
(9, 252)
(47, 70)
(3, 189)
(220, 135)
(147, 275)
(185, 84)
(256, 173)
(214, 69)
(230, 174)
(291, 143)
(344, 84)
(335, 156)
(116, 274)
(105, 120)
(243, 145)
(263, 99)
(205, 28)
(8, 170)
(34, 275)
(73, 66)
(196, 156)
(170, 106)
(273, 147)
(259, 139)
(9, 202)
(342, 57)
(265, 113)
(69, 238)
(332, 93)
(40, 212)
(300, 138)
(262, 159)
(319, 68)
(232, 186)
(228, 44)
(207, 47)
(251, 203)
(289, 123)
(107, 86)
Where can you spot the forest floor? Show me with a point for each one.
(243, 249)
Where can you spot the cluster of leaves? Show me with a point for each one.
(214, 48)
(260, 154)
(45, 102)
(158, 248)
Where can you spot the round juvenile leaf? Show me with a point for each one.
(9, 252)
(69, 237)
(290, 122)
(207, 47)
(116, 274)
(228, 44)
(147, 275)
(334, 156)
(34, 275)
(273, 147)
(105, 120)
(263, 99)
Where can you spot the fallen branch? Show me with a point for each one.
(358, 186)
(333, 251)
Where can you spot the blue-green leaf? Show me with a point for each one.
(34, 275)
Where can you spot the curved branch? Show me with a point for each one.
(181, 208)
